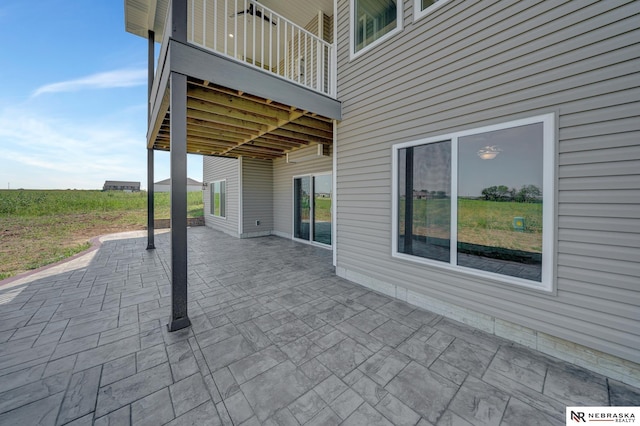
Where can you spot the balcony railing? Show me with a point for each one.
(246, 31)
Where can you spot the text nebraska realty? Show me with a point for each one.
(579, 416)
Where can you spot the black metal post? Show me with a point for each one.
(150, 165)
(178, 141)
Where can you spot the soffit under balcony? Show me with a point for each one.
(229, 123)
(144, 15)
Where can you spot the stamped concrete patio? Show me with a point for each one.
(277, 339)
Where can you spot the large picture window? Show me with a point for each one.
(218, 198)
(372, 21)
(479, 200)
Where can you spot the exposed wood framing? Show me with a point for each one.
(231, 123)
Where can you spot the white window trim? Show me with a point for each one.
(352, 44)
(548, 206)
(211, 198)
(419, 14)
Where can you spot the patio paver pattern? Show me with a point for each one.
(277, 339)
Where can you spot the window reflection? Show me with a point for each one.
(425, 200)
(500, 201)
(373, 19)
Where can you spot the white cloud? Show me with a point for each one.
(103, 80)
(40, 152)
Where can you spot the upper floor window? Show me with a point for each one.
(373, 21)
(480, 200)
(424, 7)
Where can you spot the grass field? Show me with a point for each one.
(41, 227)
(323, 209)
(487, 223)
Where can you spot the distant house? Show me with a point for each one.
(165, 185)
(119, 185)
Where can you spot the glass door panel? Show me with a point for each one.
(301, 207)
(322, 209)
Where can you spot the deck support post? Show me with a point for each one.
(150, 164)
(178, 141)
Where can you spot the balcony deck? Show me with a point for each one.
(238, 105)
(276, 338)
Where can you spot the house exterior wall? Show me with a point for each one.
(257, 197)
(167, 188)
(471, 64)
(283, 174)
(214, 169)
(267, 192)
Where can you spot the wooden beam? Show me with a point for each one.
(238, 103)
(225, 120)
(224, 90)
(284, 139)
(232, 138)
(232, 112)
(297, 135)
(309, 131)
(163, 112)
(202, 124)
(315, 123)
(292, 116)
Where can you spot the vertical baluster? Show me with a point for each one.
(299, 43)
(235, 28)
(253, 35)
(215, 25)
(271, 41)
(262, 39)
(293, 53)
(319, 63)
(193, 21)
(305, 57)
(278, 47)
(204, 23)
(286, 51)
(244, 32)
(226, 30)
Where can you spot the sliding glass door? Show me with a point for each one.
(312, 208)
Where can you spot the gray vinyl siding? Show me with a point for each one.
(257, 196)
(218, 168)
(473, 63)
(283, 174)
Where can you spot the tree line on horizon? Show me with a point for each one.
(526, 194)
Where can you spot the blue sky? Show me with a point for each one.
(73, 91)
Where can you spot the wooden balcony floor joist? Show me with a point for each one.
(228, 123)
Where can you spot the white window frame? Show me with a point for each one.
(548, 205)
(211, 187)
(419, 14)
(352, 28)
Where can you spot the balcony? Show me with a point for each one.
(258, 84)
(247, 31)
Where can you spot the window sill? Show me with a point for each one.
(511, 282)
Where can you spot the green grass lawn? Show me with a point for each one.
(488, 223)
(40, 227)
(323, 209)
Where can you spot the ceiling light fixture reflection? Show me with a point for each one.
(489, 152)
